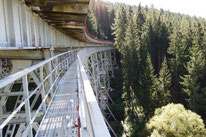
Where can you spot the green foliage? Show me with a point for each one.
(174, 120)
(194, 82)
(179, 53)
(91, 20)
(117, 107)
(163, 60)
(162, 96)
(119, 27)
(146, 87)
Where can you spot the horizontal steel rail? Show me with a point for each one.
(60, 63)
(90, 114)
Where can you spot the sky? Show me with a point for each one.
(190, 7)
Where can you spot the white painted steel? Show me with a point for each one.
(61, 119)
(61, 66)
(20, 74)
(27, 103)
(95, 124)
(22, 28)
(92, 120)
(3, 37)
(18, 22)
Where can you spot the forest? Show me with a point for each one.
(160, 87)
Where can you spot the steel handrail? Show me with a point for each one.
(4, 82)
(93, 119)
(25, 72)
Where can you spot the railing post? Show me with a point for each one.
(1, 133)
(94, 77)
(49, 70)
(57, 70)
(27, 104)
(43, 88)
(67, 63)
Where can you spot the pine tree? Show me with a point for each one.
(131, 62)
(194, 83)
(91, 20)
(140, 20)
(146, 86)
(144, 37)
(119, 27)
(162, 96)
(128, 61)
(178, 53)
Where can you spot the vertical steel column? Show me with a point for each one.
(93, 77)
(24, 23)
(57, 70)
(9, 22)
(104, 78)
(49, 70)
(67, 61)
(111, 63)
(43, 88)
(3, 100)
(27, 104)
(99, 74)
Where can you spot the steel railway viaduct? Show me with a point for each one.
(54, 77)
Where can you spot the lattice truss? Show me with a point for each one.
(5, 67)
(100, 68)
(11, 97)
(13, 94)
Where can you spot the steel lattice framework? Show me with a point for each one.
(39, 83)
(44, 76)
(41, 41)
(99, 65)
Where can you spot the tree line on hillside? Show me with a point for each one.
(163, 61)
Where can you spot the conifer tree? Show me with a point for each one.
(119, 27)
(177, 51)
(91, 20)
(144, 36)
(162, 96)
(128, 61)
(194, 83)
(147, 87)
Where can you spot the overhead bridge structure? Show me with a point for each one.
(54, 77)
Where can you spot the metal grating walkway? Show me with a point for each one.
(61, 119)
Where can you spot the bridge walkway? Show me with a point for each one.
(61, 119)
